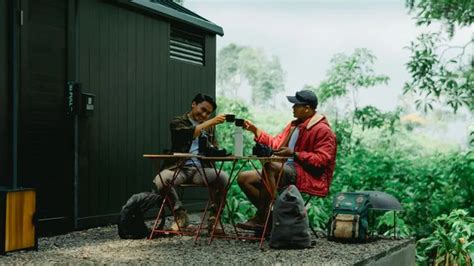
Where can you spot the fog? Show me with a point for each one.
(306, 34)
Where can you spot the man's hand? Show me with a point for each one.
(218, 119)
(248, 125)
(284, 151)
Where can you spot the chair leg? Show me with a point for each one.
(310, 224)
(312, 229)
(157, 225)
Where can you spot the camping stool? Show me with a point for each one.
(158, 225)
(160, 219)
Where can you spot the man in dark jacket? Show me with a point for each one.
(311, 145)
(186, 131)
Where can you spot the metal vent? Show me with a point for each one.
(187, 47)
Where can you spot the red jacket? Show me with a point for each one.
(316, 148)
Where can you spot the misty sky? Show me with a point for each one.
(306, 34)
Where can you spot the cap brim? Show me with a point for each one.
(293, 99)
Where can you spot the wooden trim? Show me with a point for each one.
(3, 207)
(19, 230)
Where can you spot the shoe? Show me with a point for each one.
(252, 224)
(210, 223)
(181, 220)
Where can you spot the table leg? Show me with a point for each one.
(233, 175)
(272, 193)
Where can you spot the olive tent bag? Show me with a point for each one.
(290, 228)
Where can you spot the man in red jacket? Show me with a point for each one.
(310, 143)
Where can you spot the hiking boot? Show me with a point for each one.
(181, 220)
(252, 224)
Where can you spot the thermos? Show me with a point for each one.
(238, 142)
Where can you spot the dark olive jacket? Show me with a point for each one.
(182, 131)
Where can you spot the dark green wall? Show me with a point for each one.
(5, 134)
(123, 59)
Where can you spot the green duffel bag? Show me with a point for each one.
(348, 222)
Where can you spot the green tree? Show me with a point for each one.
(347, 74)
(451, 13)
(239, 64)
(441, 73)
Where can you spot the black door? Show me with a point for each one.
(45, 132)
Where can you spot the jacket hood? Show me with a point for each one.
(315, 119)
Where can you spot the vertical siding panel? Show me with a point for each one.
(132, 99)
(121, 35)
(179, 79)
(154, 52)
(155, 92)
(90, 126)
(146, 99)
(180, 70)
(141, 103)
(154, 89)
(164, 88)
(122, 88)
(169, 87)
(191, 74)
(185, 75)
(117, 124)
(149, 102)
(98, 184)
(95, 84)
(210, 75)
(93, 123)
(84, 78)
(160, 70)
(102, 186)
(5, 128)
(212, 59)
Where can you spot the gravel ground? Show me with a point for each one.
(103, 246)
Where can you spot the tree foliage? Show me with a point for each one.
(437, 79)
(238, 64)
(449, 12)
(370, 117)
(349, 73)
(442, 73)
(451, 242)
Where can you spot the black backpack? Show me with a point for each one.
(349, 217)
(131, 224)
(290, 221)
